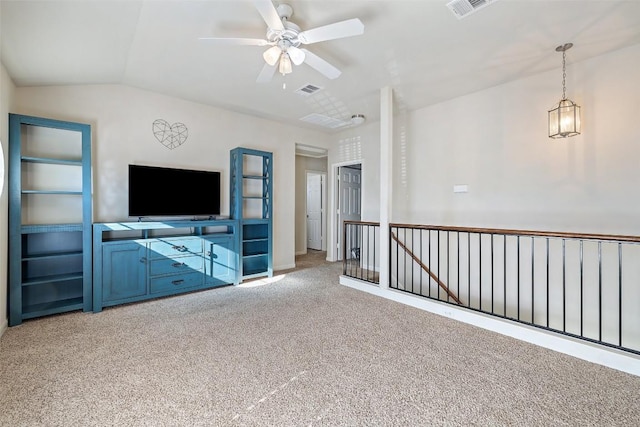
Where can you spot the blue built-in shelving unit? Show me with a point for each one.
(251, 203)
(50, 214)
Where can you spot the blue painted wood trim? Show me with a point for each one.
(15, 221)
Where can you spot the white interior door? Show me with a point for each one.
(349, 200)
(314, 211)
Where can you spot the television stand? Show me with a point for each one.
(136, 261)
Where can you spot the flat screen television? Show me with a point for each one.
(158, 191)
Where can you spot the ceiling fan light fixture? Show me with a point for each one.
(272, 55)
(357, 119)
(285, 66)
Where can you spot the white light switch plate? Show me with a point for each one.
(460, 188)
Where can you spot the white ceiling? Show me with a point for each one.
(418, 47)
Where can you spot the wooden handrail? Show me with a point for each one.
(349, 221)
(529, 233)
(425, 268)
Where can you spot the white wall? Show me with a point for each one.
(305, 164)
(121, 119)
(6, 99)
(361, 144)
(496, 142)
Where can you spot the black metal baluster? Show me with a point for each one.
(421, 260)
(413, 240)
(448, 271)
(480, 269)
(547, 282)
(429, 263)
(469, 269)
(581, 287)
(518, 279)
(404, 263)
(458, 260)
(533, 271)
(599, 291)
(438, 265)
(492, 275)
(564, 287)
(504, 276)
(619, 294)
(375, 265)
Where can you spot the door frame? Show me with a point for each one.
(323, 215)
(333, 241)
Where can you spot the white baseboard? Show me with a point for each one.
(584, 350)
(3, 326)
(301, 252)
(284, 267)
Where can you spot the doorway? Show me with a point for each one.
(348, 199)
(315, 210)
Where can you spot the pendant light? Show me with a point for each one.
(564, 118)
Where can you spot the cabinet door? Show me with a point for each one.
(220, 261)
(124, 271)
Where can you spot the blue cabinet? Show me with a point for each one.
(49, 217)
(135, 261)
(220, 256)
(251, 198)
(124, 271)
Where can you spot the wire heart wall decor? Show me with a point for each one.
(170, 135)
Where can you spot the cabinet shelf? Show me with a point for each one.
(52, 279)
(51, 255)
(254, 177)
(51, 161)
(256, 255)
(50, 228)
(53, 307)
(64, 192)
(260, 239)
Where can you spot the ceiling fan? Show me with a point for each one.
(285, 39)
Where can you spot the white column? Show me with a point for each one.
(386, 178)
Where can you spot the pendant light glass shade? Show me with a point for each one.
(272, 55)
(285, 64)
(564, 118)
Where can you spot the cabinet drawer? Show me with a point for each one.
(182, 265)
(174, 247)
(176, 282)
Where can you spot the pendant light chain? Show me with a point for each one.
(564, 75)
(564, 118)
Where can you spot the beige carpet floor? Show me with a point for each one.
(299, 351)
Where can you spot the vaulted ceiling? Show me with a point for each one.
(418, 47)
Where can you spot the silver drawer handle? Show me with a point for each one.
(178, 282)
(143, 260)
(178, 264)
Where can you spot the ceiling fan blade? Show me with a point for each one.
(348, 28)
(266, 74)
(236, 41)
(320, 65)
(269, 14)
(296, 54)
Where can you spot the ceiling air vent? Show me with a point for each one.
(308, 90)
(463, 8)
